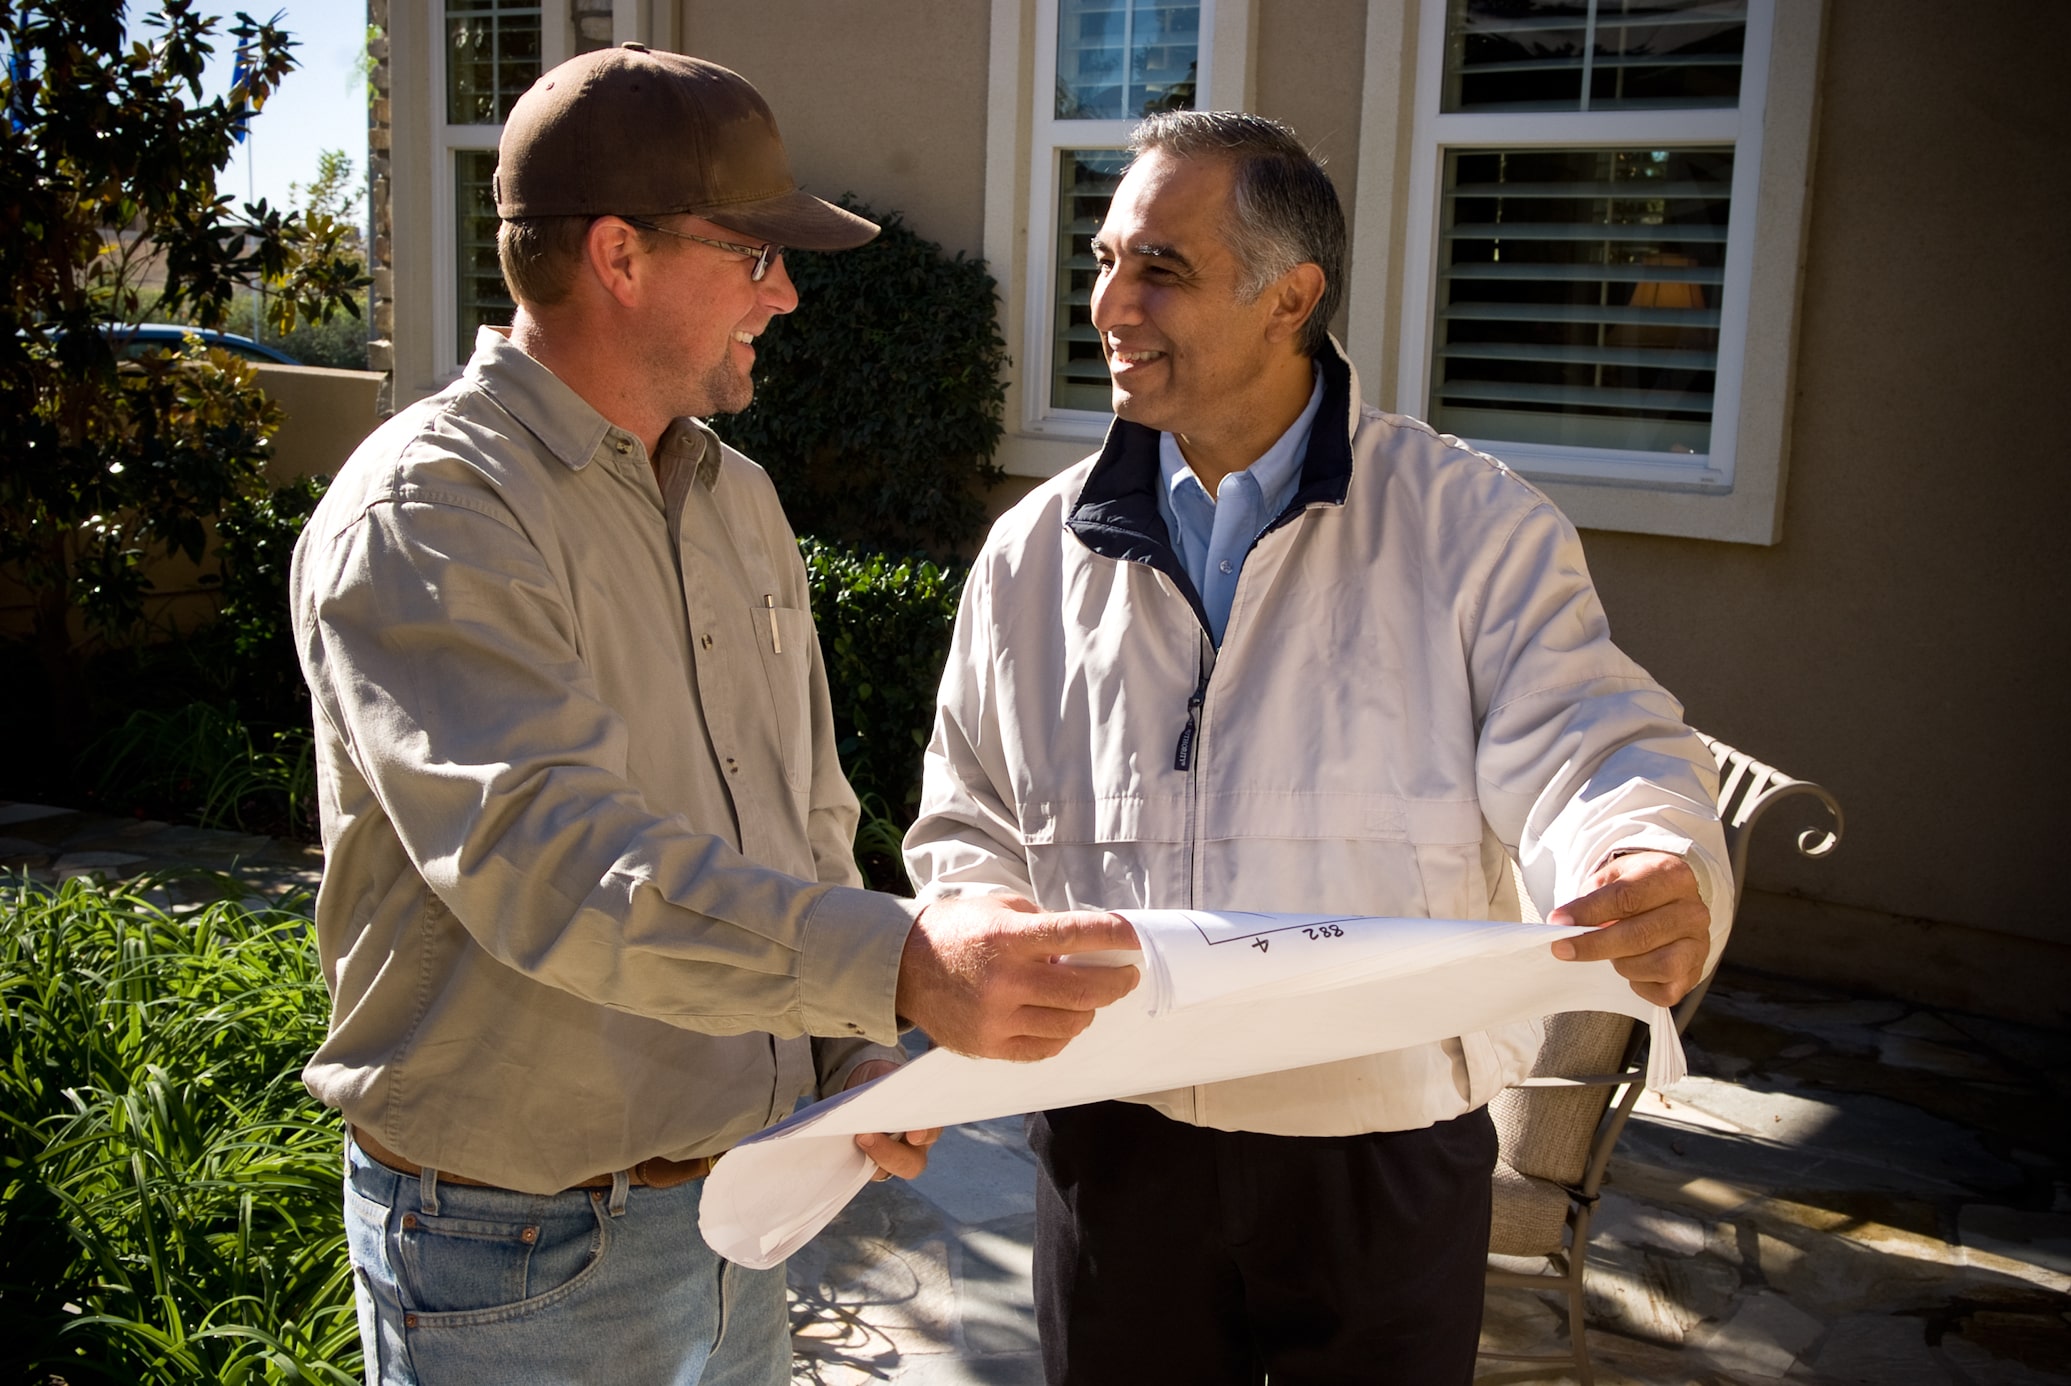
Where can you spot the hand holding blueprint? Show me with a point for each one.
(1224, 995)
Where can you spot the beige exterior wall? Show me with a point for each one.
(1308, 71)
(884, 100)
(326, 414)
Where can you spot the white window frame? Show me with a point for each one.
(1024, 138)
(1735, 491)
(630, 21)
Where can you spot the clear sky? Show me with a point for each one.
(321, 105)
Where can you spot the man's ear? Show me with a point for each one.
(1294, 296)
(613, 253)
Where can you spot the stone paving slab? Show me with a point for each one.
(53, 844)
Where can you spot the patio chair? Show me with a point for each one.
(1556, 1130)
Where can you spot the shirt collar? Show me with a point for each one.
(1275, 471)
(564, 422)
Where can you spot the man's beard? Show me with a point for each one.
(727, 389)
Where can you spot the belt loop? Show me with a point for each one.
(428, 1191)
(619, 1184)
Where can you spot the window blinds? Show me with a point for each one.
(1578, 294)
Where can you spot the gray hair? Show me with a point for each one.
(1284, 211)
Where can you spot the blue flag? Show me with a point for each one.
(17, 88)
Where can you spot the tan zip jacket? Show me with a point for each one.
(588, 881)
(1416, 689)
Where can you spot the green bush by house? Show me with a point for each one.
(884, 624)
(877, 403)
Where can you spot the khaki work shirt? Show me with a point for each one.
(588, 881)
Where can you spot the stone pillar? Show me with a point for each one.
(381, 240)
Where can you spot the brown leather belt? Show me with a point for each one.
(655, 1173)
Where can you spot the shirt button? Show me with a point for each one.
(622, 445)
(1226, 566)
(705, 642)
(733, 767)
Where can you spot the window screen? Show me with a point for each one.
(492, 56)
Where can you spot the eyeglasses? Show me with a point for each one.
(762, 254)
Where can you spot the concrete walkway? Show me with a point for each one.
(1846, 1190)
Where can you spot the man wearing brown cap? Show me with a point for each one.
(589, 887)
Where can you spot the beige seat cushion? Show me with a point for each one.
(1529, 1216)
(1543, 1134)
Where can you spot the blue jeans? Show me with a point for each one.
(461, 1286)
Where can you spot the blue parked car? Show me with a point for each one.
(135, 341)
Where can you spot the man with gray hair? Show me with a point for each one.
(589, 913)
(1273, 650)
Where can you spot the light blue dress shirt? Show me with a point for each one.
(1213, 534)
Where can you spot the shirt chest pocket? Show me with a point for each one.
(784, 635)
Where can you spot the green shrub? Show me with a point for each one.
(338, 341)
(199, 761)
(169, 1205)
(213, 727)
(877, 403)
(884, 625)
(256, 537)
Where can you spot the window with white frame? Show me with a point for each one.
(490, 52)
(1101, 66)
(494, 50)
(1580, 235)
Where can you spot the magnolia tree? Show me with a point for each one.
(109, 154)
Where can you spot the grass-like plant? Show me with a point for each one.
(200, 759)
(169, 1193)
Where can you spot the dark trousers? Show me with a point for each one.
(1169, 1253)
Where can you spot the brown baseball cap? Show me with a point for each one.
(630, 132)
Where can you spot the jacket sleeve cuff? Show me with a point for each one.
(848, 971)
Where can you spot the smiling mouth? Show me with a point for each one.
(745, 338)
(1118, 357)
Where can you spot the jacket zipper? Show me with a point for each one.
(1186, 757)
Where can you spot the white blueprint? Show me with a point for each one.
(1224, 995)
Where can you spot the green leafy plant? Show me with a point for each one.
(884, 623)
(200, 761)
(108, 165)
(877, 403)
(169, 1206)
(339, 340)
(256, 536)
(215, 726)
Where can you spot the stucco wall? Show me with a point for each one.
(1903, 644)
(326, 415)
(886, 101)
(1307, 73)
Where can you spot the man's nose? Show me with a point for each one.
(1113, 304)
(779, 294)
